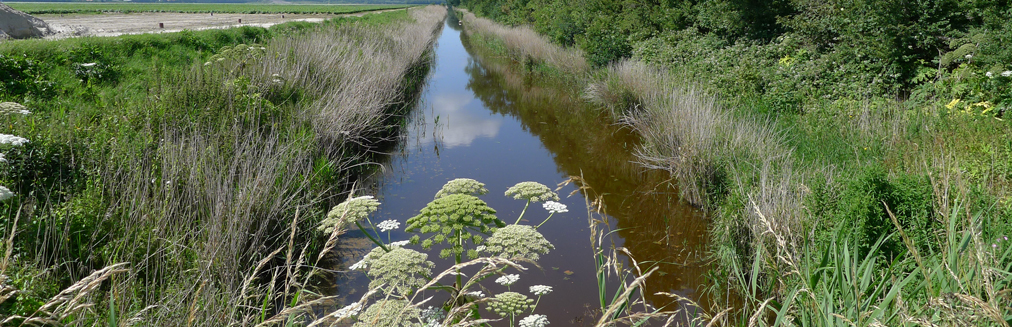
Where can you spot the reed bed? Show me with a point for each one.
(525, 45)
(212, 205)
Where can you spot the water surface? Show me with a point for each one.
(480, 117)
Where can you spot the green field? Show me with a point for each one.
(37, 8)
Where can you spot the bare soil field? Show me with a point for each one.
(113, 24)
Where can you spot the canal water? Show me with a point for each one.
(479, 117)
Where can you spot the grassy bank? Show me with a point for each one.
(177, 179)
(844, 188)
(41, 8)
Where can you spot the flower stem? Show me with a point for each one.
(546, 220)
(373, 239)
(522, 212)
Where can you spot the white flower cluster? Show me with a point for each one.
(534, 321)
(475, 294)
(555, 207)
(11, 108)
(350, 310)
(1007, 73)
(5, 193)
(2, 159)
(433, 317)
(399, 243)
(507, 280)
(540, 290)
(388, 225)
(12, 140)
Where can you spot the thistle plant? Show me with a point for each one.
(532, 192)
(462, 186)
(518, 241)
(454, 219)
(389, 313)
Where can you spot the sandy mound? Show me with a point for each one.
(19, 25)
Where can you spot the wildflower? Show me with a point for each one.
(348, 212)
(10, 108)
(521, 241)
(534, 321)
(462, 186)
(389, 313)
(5, 194)
(475, 294)
(532, 191)
(507, 280)
(12, 140)
(454, 218)
(399, 271)
(2, 159)
(360, 265)
(989, 74)
(480, 248)
(388, 225)
(350, 310)
(1006, 73)
(952, 104)
(400, 243)
(540, 290)
(555, 207)
(994, 245)
(432, 316)
(510, 304)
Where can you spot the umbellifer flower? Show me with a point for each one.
(462, 186)
(5, 194)
(389, 313)
(10, 108)
(348, 212)
(555, 207)
(532, 191)
(534, 321)
(398, 271)
(510, 303)
(518, 241)
(540, 290)
(507, 280)
(388, 225)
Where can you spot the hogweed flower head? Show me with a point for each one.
(13, 108)
(540, 290)
(388, 225)
(1006, 73)
(507, 280)
(348, 212)
(521, 241)
(453, 219)
(401, 270)
(555, 207)
(510, 304)
(462, 186)
(433, 316)
(534, 321)
(12, 140)
(532, 191)
(389, 313)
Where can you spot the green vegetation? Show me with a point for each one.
(401, 276)
(39, 8)
(839, 147)
(179, 178)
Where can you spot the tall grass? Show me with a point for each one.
(526, 46)
(211, 201)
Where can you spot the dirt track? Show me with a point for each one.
(112, 24)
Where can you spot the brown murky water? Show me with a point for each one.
(479, 118)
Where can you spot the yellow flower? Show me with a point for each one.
(952, 104)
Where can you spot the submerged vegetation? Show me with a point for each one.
(853, 157)
(179, 178)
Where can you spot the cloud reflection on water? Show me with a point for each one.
(457, 125)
